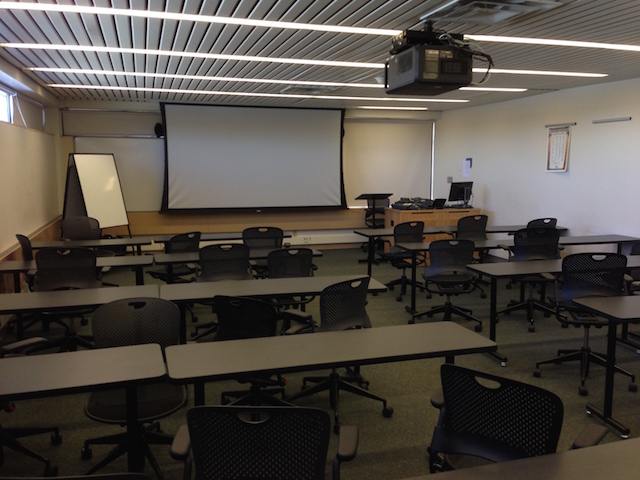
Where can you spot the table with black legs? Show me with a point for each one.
(54, 374)
(617, 310)
(197, 363)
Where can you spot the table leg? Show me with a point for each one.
(198, 394)
(370, 254)
(493, 319)
(412, 308)
(139, 275)
(606, 413)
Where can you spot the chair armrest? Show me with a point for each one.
(548, 276)
(347, 448)
(181, 444)
(437, 400)
(590, 436)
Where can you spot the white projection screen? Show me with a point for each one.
(252, 158)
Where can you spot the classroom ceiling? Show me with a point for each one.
(168, 62)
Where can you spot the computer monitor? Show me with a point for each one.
(460, 192)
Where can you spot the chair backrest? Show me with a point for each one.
(543, 222)
(450, 255)
(224, 261)
(136, 321)
(25, 245)
(263, 237)
(343, 305)
(243, 317)
(408, 232)
(599, 274)
(495, 418)
(536, 243)
(80, 228)
(472, 227)
(290, 262)
(59, 268)
(183, 242)
(238, 442)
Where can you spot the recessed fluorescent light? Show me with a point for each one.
(495, 89)
(253, 94)
(204, 78)
(373, 107)
(541, 72)
(550, 42)
(194, 18)
(213, 56)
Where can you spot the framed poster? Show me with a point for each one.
(558, 142)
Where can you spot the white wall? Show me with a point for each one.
(508, 141)
(29, 196)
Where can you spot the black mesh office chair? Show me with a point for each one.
(183, 242)
(88, 228)
(447, 275)
(533, 243)
(132, 322)
(9, 437)
(342, 307)
(240, 318)
(407, 232)
(229, 261)
(496, 419)
(292, 263)
(472, 227)
(27, 255)
(67, 269)
(235, 442)
(587, 275)
(549, 222)
(262, 238)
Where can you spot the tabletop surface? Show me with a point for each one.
(101, 242)
(388, 232)
(68, 299)
(617, 460)
(287, 353)
(185, 257)
(623, 308)
(258, 287)
(51, 374)
(10, 266)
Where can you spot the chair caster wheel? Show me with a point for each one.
(399, 298)
(478, 328)
(390, 287)
(532, 328)
(483, 295)
(429, 296)
(633, 387)
(537, 373)
(50, 471)
(564, 325)
(86, 453)
(411, 321)
(56, 438)
(387, 412)
(583, 391)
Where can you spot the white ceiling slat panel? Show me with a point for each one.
(587, 20)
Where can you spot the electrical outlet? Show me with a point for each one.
(449, 179)
(306, 240)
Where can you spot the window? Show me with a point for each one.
(5, 106)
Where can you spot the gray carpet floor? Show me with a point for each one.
(390, 448)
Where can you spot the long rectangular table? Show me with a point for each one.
(136, 242)
(618, 310)
(66, 373)
(617, 460)
(137, 262)
(64, 300)
(197, 363)
(501, 270)
(267, 287)
(211, 237)
(371, 234)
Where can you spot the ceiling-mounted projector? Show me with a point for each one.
(428, 63)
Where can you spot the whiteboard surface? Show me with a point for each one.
(101, 189)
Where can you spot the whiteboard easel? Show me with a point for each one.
(93, 189)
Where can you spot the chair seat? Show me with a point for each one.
(154, 402)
